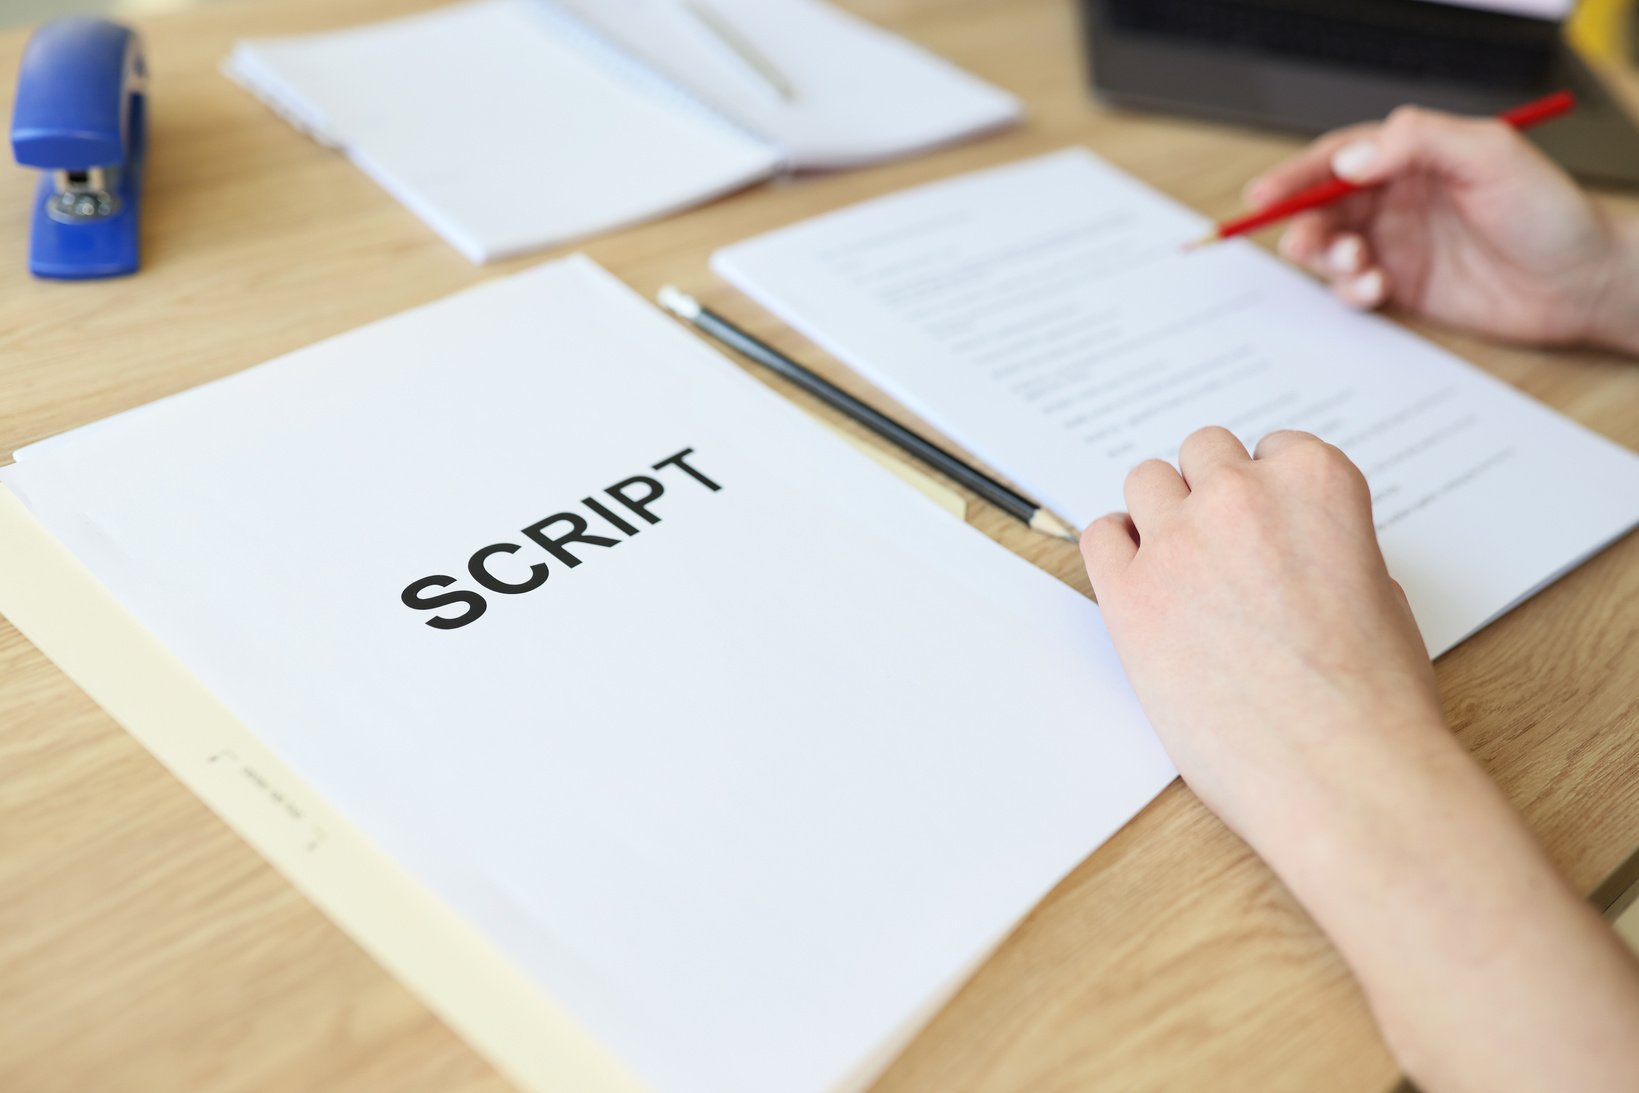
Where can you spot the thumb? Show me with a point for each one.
(1108, 547)
(1413, 140)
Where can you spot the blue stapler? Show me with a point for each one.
(80, 117)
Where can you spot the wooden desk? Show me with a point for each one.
(143, 946)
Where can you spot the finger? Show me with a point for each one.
(1414, 139)
(1304, 241)
(1108, 547)
(1153, 489)
(1310, 233)
(1326, 468)
(1322, 245)
(1208, 450)
(1347, 255)
(1366, 290)
(1308, 167)
(1285, 440)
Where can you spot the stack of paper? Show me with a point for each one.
(697, 728)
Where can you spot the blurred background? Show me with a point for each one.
(23, 12)
(1606, 29)
(1603, 30)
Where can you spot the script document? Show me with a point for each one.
(744, 751)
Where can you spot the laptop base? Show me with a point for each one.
(1597, 142)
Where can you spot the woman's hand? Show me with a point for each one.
(1281, 666)
(1260, 627)
(1464, 221)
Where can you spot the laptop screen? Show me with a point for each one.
(1535, 9)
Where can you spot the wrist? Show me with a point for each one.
(1328, 785)
(1614, 319)
(1440, 899)
(1411, 846)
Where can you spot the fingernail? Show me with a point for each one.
(1345, 254)
(1352, 161)
(1367, 290)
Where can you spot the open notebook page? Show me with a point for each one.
(745, 790)
(856, 93)
(504, 125)
(1044, 315)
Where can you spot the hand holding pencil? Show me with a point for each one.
(1464, 221)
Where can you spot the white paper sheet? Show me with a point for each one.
(1044, 315)
(743, 791)
(856, 93)
(499, 128)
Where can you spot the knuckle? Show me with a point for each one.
(1326, 464)
(1147, 469)
(1310, 447)
(1312, 456)
(1112, 521)
(1406, 118)
(1282, 442)
(1412, 127)
(1335, 460)
(1206, 436)
(1288, 436)
(1494, 135)
(1354, 479)
(1236, 489)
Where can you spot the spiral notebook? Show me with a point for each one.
(511, 125)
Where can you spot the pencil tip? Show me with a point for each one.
(1197, 244)
(1048, 524)
(678, 302)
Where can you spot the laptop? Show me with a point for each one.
(1313, 65)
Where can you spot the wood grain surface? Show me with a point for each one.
(143, 946)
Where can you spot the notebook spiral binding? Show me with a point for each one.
(243, 69)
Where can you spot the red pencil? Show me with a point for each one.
(1521, 117)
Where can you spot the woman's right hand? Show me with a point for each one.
(1464, 221)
